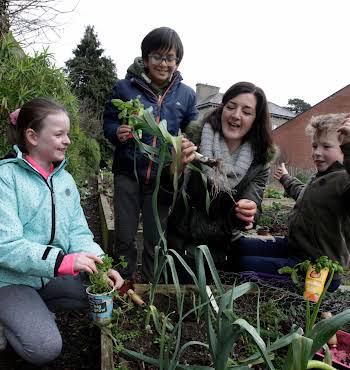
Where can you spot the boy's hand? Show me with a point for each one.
(86, 262)
(281, 170)
(245, 211)
(344, 131)
(123, 133)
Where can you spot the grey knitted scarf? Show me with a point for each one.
(235, 165)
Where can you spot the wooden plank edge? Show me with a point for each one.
(107, 362)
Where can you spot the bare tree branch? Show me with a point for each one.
(29, 19)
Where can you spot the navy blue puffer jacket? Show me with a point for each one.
(177, 106)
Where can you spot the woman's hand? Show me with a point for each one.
(86, 262)
(114, 279)
(187, 151)
(281, 170)
(187, 154)
(344, 131)
(123, 132)
(246, 210)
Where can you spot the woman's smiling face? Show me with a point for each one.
(237, 118)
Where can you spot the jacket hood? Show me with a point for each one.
(137, 69)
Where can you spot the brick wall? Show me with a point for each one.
(294, 145)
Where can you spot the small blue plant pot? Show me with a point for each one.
(101, 307)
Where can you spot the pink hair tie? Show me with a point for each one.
(14, 116)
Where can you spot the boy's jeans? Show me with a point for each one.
(269, 255)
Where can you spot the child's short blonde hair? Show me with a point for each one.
(326, 123)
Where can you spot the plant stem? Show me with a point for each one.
(318, 304)
(308, 317)
(314, 364)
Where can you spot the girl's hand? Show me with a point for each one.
(86, 262)
(123, 133)
(344, 131)
(114, 279)
(187, 154)
(246, 210)
(281, 170)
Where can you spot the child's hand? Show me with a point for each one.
(344, 131)
(114, 279)
(86, 262)
(123, 133)
(281, 170)
(245, 211)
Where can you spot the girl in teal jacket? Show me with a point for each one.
(44, 237)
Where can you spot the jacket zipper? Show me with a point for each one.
(53, 212)
(160, 99)
(53, 217)
(53, 203)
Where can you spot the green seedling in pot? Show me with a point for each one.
(99, 281)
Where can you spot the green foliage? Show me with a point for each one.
(23, 78)
(271, 192)
(265, 221)
(274, 215)
(91, 74)
(99, 281)
(92, 77)
(83, 156)
(129, 108)
(300, 269)
(122, 336)
(298, 105)
(303, 177)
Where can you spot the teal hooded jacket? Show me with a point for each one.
(39, 220)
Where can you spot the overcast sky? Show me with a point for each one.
(292, 49)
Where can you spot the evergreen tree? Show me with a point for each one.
(92, 75)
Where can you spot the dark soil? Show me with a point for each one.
(81, 339)
(147, 342)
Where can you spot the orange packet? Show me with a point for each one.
(314, 283)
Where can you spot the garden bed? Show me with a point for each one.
(106, 215)
(280, 307)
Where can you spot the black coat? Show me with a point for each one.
(191, 225)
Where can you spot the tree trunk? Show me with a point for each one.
(4, 20)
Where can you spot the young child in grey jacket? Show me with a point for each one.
(319, 223)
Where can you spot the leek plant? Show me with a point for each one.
(223, 328)
(166, 153)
